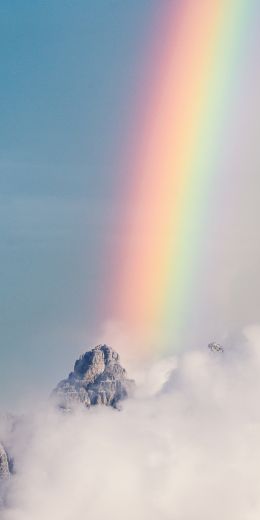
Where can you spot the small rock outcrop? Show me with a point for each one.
(98, 378)
(5, 469)
(215, 347)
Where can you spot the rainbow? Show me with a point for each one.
(194, 66)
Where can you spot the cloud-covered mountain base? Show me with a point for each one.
(190, 451)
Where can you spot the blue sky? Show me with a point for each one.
(69, 72)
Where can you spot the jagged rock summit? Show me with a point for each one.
(98, 378)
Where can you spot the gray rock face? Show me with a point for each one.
(5, 470)
(98, 378)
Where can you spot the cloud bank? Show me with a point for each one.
(186, 447)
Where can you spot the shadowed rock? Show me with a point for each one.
(98, 378)
(5, 469)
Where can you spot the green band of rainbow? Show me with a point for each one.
(182, 129)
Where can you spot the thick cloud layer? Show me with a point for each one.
(187, 447)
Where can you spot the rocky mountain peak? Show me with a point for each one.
(97, 378)
(95, 362)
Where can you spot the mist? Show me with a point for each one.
(185, 446)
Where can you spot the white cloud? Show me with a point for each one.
(185, 450)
